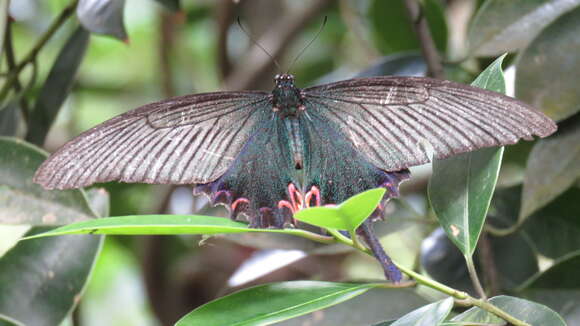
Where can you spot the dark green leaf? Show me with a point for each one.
(57, 86)
(561, 275)
(9, 119)
(461, 187)
(41, 280)
(7, 321)
(23, 202)
(545, 74)
(393, 31)
(271, 303)
(429, 315)
(553, 167)
(501, 26)
(528, 311)
(103, 17)
(374, 306)
(349, 215)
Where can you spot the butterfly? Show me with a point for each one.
(268, 155)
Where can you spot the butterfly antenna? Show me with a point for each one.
(309, 43)
(251, 37)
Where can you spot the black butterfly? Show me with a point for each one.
(270, 154)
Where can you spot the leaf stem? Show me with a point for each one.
(474, 277)
(12, 77)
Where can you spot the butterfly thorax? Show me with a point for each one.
(286, 97)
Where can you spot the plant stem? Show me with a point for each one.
(12, 77)
(474, 277)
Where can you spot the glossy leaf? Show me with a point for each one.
(461, 187)
(349, 215)
(528, 311)
(162, 224)
(57, 86)
(501, 26)
(370, 308)
(41, 280)
(7, 321)
(271, 303)
(561, 275)
(23, 202)
(103, 17)
(553, 167)
(429, 315)
(393, 31)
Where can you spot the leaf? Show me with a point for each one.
(461, 187)
(9, 119)
(405, 64)
(370, 308)
(271, 303)
(7, 321)
(349, 215)
(429, 315)
(23, 202)
(3, 21)
(103, 17)
(57, 86)
(552, 168)
(41, 280)
(528, 311)
(393, 32)
(561, 275)
(162, 224)
(501, 26)
(173, 5)
(544, 69)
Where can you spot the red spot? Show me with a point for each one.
(314, 192)
(238, 201)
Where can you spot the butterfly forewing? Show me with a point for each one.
(183, 140)
(402, 121)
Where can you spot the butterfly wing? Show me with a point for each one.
(184, 140)
(399, 122)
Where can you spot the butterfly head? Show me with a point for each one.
(286, 97)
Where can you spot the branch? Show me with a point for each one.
(225, 16)
(255, 64)
(12, 77)
(419, 22)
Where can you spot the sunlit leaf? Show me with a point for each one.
(553, 167)
(57, 86)
(103, 17)
(349, 215)
(429, 315)
(544, 74)
(528, 311)
(23, 202)
(501, 26)
(271, 303)
(461, 187)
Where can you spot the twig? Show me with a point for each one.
(11, 63)
(225, 17)
(419, 22)
(165, 49)
(474, 277)
(254, 65)
(31, 55)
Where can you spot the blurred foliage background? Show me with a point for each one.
(156, 49)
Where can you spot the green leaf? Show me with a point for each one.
(545, 70)
(57, 86)
(162, 224)
(23, 202)
(552, 167)
(103, 17)
(173, 5)
(461, 187)
(9, 119)
(393, 32)
(528, 311)
(271, 303)
(3, 21)
(561, 275)
(349, 215)
(501, 26)
(42, 280)
(429, 315)
(7, 321)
